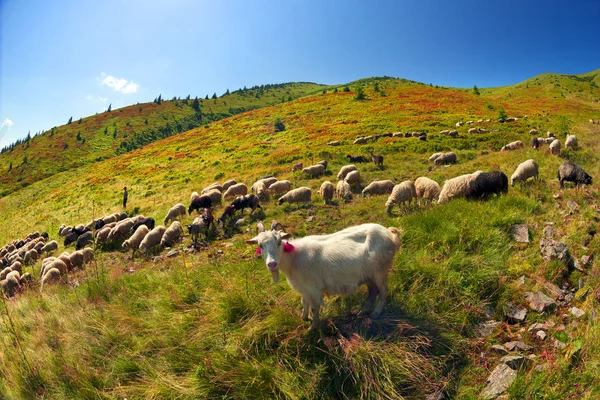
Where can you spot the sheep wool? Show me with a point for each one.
(427, 189)
(299, 195)
(326, 191)
(178, 210)
(345, 170)
(403, 193)
(378, 188)
(525, 170)
(456, 187)
(171, 235)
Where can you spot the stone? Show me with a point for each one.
(559, 345)
(576, 312)
(553, 290)
(538, 326)
(310, 219)
(158, 259)
(541, 335)
(585, 260)
(554, 250)
(556, 196)
(499, 349)
(499, 380)
(521, 280)
(576, 264)
(569, 297)
(515, 314)
(538, 301)
(486, 328)
(172, 253)
(517, 346)
(514, 362)
(520, 233)
(573, 206)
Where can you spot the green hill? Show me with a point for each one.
(212, 325)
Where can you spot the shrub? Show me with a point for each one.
(360, 94)
(279, 126)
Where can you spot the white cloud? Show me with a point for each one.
(4, 129)
(118, 84)
(7, 123)
(103, 99)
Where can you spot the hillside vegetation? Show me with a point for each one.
(212, 325)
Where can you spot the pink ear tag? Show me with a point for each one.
(288, 247)
(258, 251)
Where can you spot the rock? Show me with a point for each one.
(585, 260)
(553, 250)
(556, 196)
(499, 349)
(576, 264)
(514, 362)
(229, 244)
(538, 326)
(439, 395)
(486, 328)
(541, 335)
(569, 297)
(553, 290)
(520, 233)
(310, 219)
(521, 280)
(158, 259)
(548, 231)
(538, 301)
(499, 380)
(559, 345)
(515, 314)
(576, 312)
(172, 253)
(517, 346)
(573, 206)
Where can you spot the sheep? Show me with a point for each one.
(229, 184)
(343, 191)
(398, 134)
(51, 276)
(473, 130)
(55, 263)
(486, 184)
(377, 159)
(456, 187)
(5, 272)
(453, 133)
(194, 196)
(333, 143)
(10, 286)
(548, 140)
(403, 193)
(123, 216)
(280, 187)
(297, 167)
(214, 195)
(555, 147)
(337, 263)
(134, 241)
(196, 228)
(345, 170)
(199, 203)
(352, 178)
(469, 122)
(149, 222)
(427, 189)
(444, 132)
(171, 235)
(120, 231)
(76, 258)
(102, 235)
(60, 229)
(534, 132)
(326, 191)
(513, 146)
(49, 247)
(209, 219)
(435, 156)
(216, 186)
(248, 201)
(378, 188)
(259, 188)
(73, 235)
(152, 239)
(361, 140)
(445, 158)
(269, 180)
(88, 254)
(550, 134)
(459, 124)
(525, 170)
(357, 159)
(299, 195)
(568, 172)
(314, 170)
(26, 279)
(84, 240)
(30, 257)
(535, 143)
(238, 189)
(571, 142)
(110, 218)
(228, 212)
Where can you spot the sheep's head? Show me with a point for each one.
(587, 180)
(270, 245)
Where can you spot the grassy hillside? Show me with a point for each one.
(212, 325)
(102, 136)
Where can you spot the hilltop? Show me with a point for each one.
(211, 324)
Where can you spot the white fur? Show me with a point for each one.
(427, 189)
(280, 187)
(571, 142)
(524, 171)
(513, 146)
(326, 191)
(353, 177)
(178, 210)
(555, 147)
(152, 239)
(171, 235)
(456, 187)
(299, 195)
(345, 170)
(378, 188)
(402, 193)
(238, 189)
(314, 170)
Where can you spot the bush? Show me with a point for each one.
(279, 126)
(360, 94)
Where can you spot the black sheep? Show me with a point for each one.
(568, 172)
(228, 212)
(486, 184)
(74, 235)
(356, 159)
(83, 240)
(99, 224)
(149, 222)
(200, 202)
(247, 201)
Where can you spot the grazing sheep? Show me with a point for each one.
(214, 186)
(66, 258)
(333, 143)
(513, 146)
(26, 279)
(238, 189)
(361, 140)
(568, 172)
(403, 193)
(534, 132)
(30, 257)
(323, 163)
(357, 159)
(352, 178)
(102, 235)
(456, 187)
(535, 143)
(88, 254)
(446, 158)
(229, 184)
(51, 276)
(199, 203)
(326, 191)
(550, 134)
(149, 222)
(378, 188)
(77, 259)
(337, 263)
(196, 228)
(280, 187)
(194, 196)
(555, 147)
(109, 218)
(486, 184)
(377, 159)
(345, 170)
(122, 230)
(473, 130)
(49, 247)
(61, 228)
(314, 170)
(133, 243)
(427, 189)
(571, 142)
(171, 235)
(297, 167)
(444, 132)
(214, 195)
(259, 188)
(268, 180)
(228, 212)
(453, 133)
(10, 286)
(435, 156)
(343, 191)
(398, 134)
(209, 219)
(459, 124)
(152, 239)
(248, 201)
(84, 240)
(299, 195)
(57, 264)
(525, 170)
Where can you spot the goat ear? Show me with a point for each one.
(286, 235)
(254, 240)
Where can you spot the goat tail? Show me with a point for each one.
(396, 236)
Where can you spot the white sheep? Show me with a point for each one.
(403, 193)
(534, 132)
(445, 158)
(152, 239)
(343, 191)
(314, 170)
(434, 156)
(517, 144)
(259, 188)
(555, 147)
(196, 228)
(171, 235)
(525, 170)
(378, 188)
(280, 187)
(299, 195)
(456, 187)
(55, 263)
(326, 191)
(121, 230)
(238, 189)
(337, 263)
(427, 189)
(352, 178)
(215, 185)
(571, 142)
(88, 254)
(473, 130)
(50, 246)
(361, 140)
(345, 170)
(229, 184)
(134, 241)
(102, 235)
(177, 211)
(51, 276)
(333, 143)
(215, 196)
(77, 259)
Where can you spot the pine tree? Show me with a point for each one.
(78, 136)
(279, 126)
(109, 109)
(196, 105)
(70, 120)
(10, 166)
(79, 121)
(206, 98)
(214, 96)
(476, 90)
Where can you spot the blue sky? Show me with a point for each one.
(72, 58)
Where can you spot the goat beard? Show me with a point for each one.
(275, 276)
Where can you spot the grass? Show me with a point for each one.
(212, 325)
